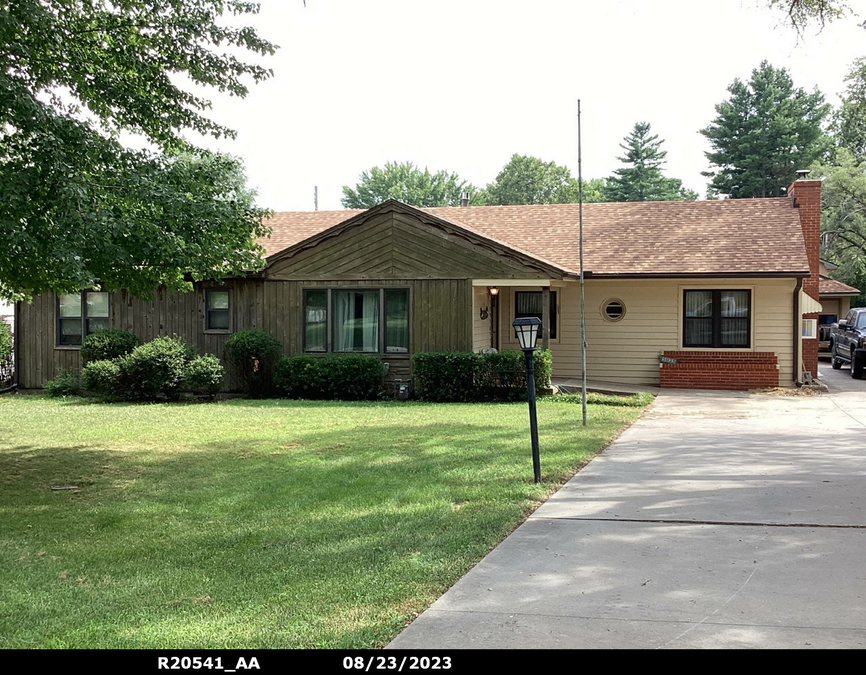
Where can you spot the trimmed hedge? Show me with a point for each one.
(155, 370)
(350, 377)
(204, 375)
(254, 353)
(107, 344)
(467, 376)
(102, 379)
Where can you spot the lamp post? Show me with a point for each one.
(527, 330)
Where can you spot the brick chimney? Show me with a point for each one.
(806, 196)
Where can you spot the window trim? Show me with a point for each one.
(82, 300)
(304, 347)
(554, 309)
(610, 301)
(216, 331)
(330, 325)
(717, 319)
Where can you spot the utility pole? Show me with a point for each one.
(315, 197)
(582, 307)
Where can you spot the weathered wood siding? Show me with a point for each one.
(439, 316)
(397, 246)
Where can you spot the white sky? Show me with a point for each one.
(463, 84)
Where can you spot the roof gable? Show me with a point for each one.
(394, 240)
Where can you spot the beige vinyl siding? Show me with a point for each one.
(628, 350)
(831, 306)
(838, 306)
(480, 327)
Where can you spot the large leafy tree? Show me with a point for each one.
(594, 190)
(801, 13)
(78, 208)
(843, 221)
(529, 180)
(850, 117)
(409, 184)
(641, 179)
(764, 133)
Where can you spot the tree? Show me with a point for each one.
(801, 13)
(594, 190)
(407, 183)
(641, 180)
(529, 180)
(763, 134)
(849, 123)
(78, 208)
(843, 197)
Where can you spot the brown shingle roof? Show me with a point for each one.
(737, 236)
(833, 287)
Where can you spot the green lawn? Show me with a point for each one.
(259, 523)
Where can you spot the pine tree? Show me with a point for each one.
(763, 134)
(642, 180)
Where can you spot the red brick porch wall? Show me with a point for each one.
(720, 370)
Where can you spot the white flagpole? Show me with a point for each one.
(582, 308)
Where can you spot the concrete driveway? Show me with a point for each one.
(716, 520)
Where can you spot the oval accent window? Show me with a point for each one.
(613, 310)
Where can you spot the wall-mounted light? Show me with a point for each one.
(493, 291)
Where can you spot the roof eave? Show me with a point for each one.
(793, 274)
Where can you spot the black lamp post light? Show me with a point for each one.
(527, 331)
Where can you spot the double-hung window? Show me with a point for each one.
(217, 310)
(531, 303)
(717, 319)
(356, 320)
(79, 315)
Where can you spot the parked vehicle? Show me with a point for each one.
(825, 329)
(848, 342)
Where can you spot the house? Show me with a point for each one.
(835, 300)
(707, 294)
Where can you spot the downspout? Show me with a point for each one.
(796, 332)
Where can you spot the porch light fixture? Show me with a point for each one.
(526, 329)
(493, 292)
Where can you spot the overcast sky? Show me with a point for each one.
(463, 84)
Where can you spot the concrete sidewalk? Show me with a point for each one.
(717, 520)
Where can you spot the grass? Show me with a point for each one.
(260, 523)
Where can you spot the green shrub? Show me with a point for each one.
(5, 340)
(445, 376)
(155, 370)
(349, 377)
(102, 379)
(204, 375)
(466, 376)
(254, 353)
(65, 383)
(107, 344)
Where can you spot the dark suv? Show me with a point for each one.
(848, 342)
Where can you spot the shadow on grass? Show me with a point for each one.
(336, 535)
